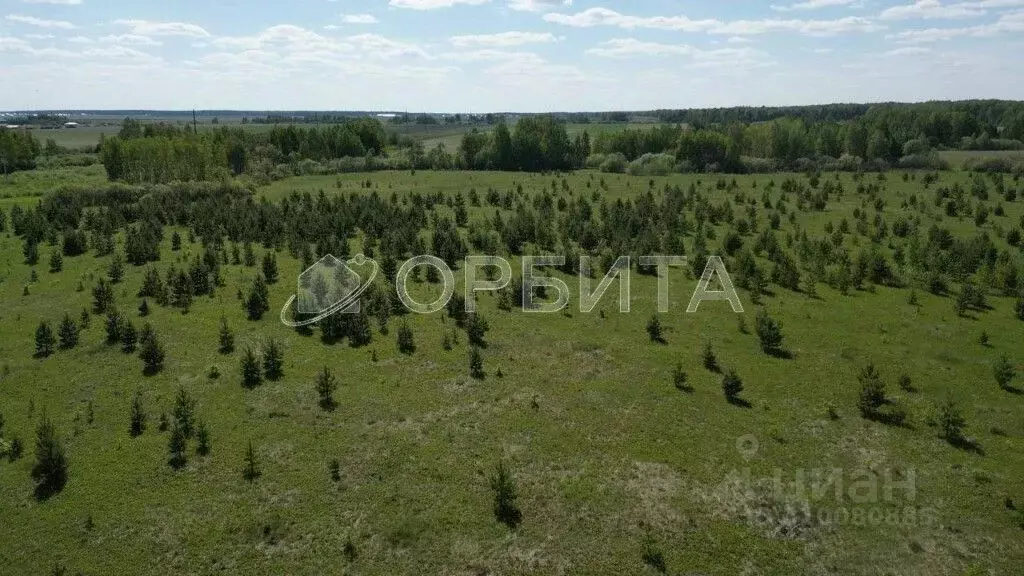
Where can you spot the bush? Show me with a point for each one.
(406, 344)
(325, 386)
(1004, 372)
(476, 363)
(930, 161)
(751, 165)
(614, 163)
(993, 165)
(652, 165)
(951, 423)
(654, 329)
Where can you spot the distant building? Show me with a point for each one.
(71, 124)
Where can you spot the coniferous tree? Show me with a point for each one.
(250, 256)
(116, 270)
(732, 385)
(184, 412)
(137, 419)
(252, 469)
(506, 510)
(31, 252)
(84, 319)
(1019, 308)
(114, 326)
(177, 445)
(102, 297)
(325, 386)
(476, 363)
(56, 262)
(51, 468)
(144, 308)
(359, 331)
(203, 445)
(679, 378)
(45, 341)
(406, 344)
(273, 360)
(769, 332)
(708, 357)
(181, 291)
(872, 391)
(270, 268)
(258, 300)
(1004, 372)
(951, 423)
(175, 241)
(252, 375)
(654, 330)
(68, 333)
(151, 350)
(227, 337)
(129, 337)
(476, 329)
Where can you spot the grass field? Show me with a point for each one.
(613, 464)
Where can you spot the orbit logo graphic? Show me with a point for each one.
(328, 287)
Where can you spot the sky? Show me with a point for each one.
(503, 55)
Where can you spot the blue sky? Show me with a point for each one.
(503, 55)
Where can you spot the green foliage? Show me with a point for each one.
(252, 468)
(226, 337)
(129, 337)
(258, 301)
(679, 378)
(137, 418)
(769, 332)
(273, 360)
(184, 413)
(252, 375)
(951, 423)
(177, 446)
(45, 341)
(50, 471)
(151, 351)
(406, 345)
(506, 510)
(203, 445)
(476, 329)
(732, 385)
(476, 363)
(708, 358)
(1004, 372)
(872, 391)
(68, 333)
(654, 329)
(326, 384)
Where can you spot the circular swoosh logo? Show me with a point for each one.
(358, 260)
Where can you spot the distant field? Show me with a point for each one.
(956, 158)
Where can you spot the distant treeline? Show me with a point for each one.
(18, 150)
(832, 137)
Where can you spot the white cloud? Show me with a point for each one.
(41, 23)
(606, 17)
(502, 39)
(537, 5)
(62, 2)
(909, 51)
(359, 18)
(150, 28)
(129, 39)
(930, 10)
(630, 47)
(808, 27)
(488, 55)
(80, 40)
(1007, 23)
(39, 36)
(816, 4)
(737, 40)
(433, 4)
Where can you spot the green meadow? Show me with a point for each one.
(619, 467)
